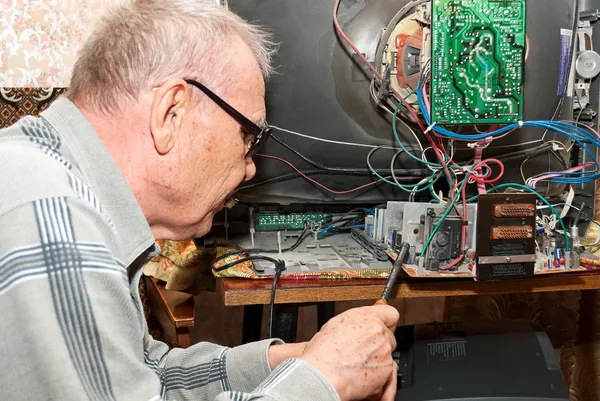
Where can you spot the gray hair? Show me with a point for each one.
(144, 43)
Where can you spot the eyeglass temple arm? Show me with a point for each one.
(240, 118)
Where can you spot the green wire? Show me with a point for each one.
(397, 137)
(446, 213)
(395, 129)
(562, 224)
(407, 187)
(454, 200)
(429, 180)
(410, 93)
(373, 170)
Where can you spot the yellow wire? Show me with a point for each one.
(523, 174)
(435, 195)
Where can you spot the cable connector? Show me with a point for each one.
(429, 128)
(520, 124)
(280, 266)
(384, 89)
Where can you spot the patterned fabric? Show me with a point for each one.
(40, 39)
(16, 103)
(182, 267)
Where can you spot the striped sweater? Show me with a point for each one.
(73, 240)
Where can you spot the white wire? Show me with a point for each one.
(314, 138)
(414, 190)
(414, 134)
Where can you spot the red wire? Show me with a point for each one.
(307, 178)
(464, 217)
(371, 67)
(437, 152)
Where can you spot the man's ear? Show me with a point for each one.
(171, 102)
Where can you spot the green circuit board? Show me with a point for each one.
(478, 55)
(293, 221)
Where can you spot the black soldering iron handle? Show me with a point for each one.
(578, 216)
(400, 260)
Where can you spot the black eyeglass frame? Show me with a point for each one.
(258, 134)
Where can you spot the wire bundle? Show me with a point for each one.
(438, 158)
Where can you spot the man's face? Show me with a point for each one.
(216, 162)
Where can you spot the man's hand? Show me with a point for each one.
(281, 352)
(354, 352)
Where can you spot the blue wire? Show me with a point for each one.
(572, 131)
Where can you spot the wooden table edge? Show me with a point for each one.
(406, 289)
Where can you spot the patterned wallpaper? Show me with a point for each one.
(40, 39)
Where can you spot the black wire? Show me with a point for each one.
(336, 169)
(247, 258)
(317, 164)
(279, 268)
(412, 172)
(418, 173)
(518, 154)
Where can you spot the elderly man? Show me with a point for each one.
(141, 149)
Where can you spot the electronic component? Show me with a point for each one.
(404, 48)
(292, 221)
(515, 210)
(445, 245)
(378, 250)
(338, 252)
(512, 232)
(478, 53)
(413, 222)
(505, 244)
(587, 67)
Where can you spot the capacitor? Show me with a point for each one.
(557, 254)
(470, 255)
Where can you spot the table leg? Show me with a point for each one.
(184, 338)
(253, 315)
(285, 322)
(325, 311)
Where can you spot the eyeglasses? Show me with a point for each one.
(257, 135)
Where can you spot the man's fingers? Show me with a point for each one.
(389, 336)
(389, 391)
(388, 315)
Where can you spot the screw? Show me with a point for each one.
(508, 259)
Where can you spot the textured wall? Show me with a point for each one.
(40, 39)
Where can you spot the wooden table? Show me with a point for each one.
(291, 294)
(174, 311)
